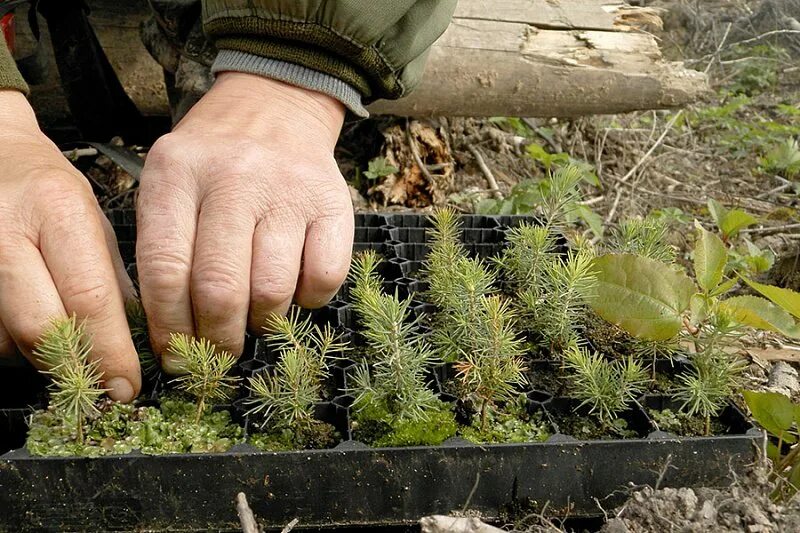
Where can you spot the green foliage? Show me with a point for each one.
(550, 290)
(778, 415)
(512, 423)
(315, 435)
(205, 370)
(121, 428)
(137, 322)
(643, 296)
(286, 396)
(607, 388)
(783, 159)
(399, 356)
(65, 349)
(786, 299)
(729, 221)
(749, 258)
(761, 314)
(371, 426)
(490, 365)
(646, 237)
(379, 168)
(670, 216)
(756, 69)
(556, 199)
(710, 258)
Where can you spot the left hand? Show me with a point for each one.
(242, 209)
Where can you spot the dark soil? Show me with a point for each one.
(684, 425)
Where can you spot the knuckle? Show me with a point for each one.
(91, 298)
(273, 287)
(216, 292)
(161, 268)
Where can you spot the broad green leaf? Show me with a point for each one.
(736, 220)
(785, 298)
(710, 256)
(773, 411)
(759, 313)
(699, 308)
(717, 211)
(772, 452)
(592, 219)
(724, 287)
(644, 297)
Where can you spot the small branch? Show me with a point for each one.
(246, 517)
(771, 229)
(471, 493)
(652, 149)
(290, 525)
(614, 206)
(412, 143)
(486, 172)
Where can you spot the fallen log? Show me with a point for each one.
(530, 58)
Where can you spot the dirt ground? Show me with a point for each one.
(648, 161)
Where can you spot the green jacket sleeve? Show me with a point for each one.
(10, 78)
(378, 47)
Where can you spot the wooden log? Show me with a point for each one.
(526, 58)
(545, 58)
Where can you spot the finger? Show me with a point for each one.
(326, 260)
(277, 252)
(73, 245)
(220, 289)
(124, 280)
(166, 220)
(29, 300)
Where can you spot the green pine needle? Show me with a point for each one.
(65, 350)
(205, 370)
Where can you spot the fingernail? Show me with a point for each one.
(121, 389)
(172, 365)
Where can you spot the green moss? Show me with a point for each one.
(512, 424)
(122, 428)
(318, 435)
(682, 424)
(374, 425)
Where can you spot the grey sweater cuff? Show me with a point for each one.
(235, 61)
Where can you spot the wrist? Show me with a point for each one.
(249, 94)
(17, 115)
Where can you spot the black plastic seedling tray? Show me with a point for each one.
(354, 484)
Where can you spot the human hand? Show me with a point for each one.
(242, 209)
(58, 253)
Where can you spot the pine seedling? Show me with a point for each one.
(287, 397)
(645, 237)
(137, 322)
(607, 388)
(530, 251)
(561, 195)
(64, 348)
(206, 370)
(399, 356)
(705, 389)
(490, 365)
(457, 284)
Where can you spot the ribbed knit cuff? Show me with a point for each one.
(10, 77)
(235, 61)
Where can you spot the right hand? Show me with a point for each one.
(58, 253)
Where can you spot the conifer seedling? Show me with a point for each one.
(65, 349)
(206, 370)
(399, 356)
(287, 396)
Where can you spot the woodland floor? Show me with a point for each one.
(668, 162)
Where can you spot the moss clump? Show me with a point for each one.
(584, 427)
(511, 424)
(683, 424)
(374, 425)
(316, 435)
(122, 428)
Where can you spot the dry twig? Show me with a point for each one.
(486, 172)
(246, 517)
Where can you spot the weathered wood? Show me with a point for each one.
(510, 57)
